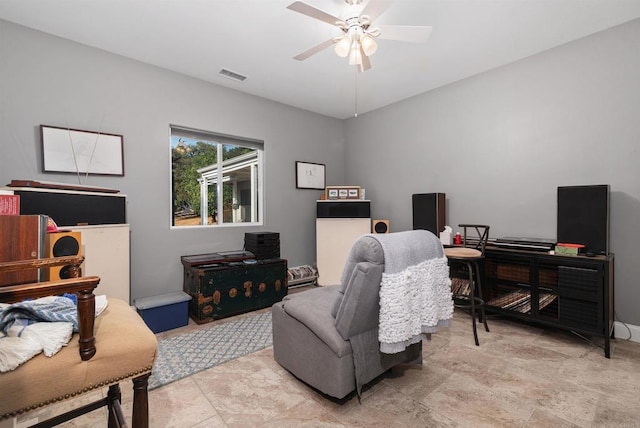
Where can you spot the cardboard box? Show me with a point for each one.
(164, 311)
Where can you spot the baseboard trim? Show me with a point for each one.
(626, 331)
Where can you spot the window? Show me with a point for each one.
(204, 166)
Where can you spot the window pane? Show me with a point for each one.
(240, 192)
(196, 180)
(188, 156)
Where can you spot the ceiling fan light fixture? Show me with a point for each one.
(356, 39)
(369, 46)
(354, 56)
(343, 46)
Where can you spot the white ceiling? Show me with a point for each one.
(258, 38)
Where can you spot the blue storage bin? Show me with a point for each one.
(164, 311)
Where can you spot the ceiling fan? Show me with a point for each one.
(357, 40)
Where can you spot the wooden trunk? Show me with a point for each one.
(223, 289)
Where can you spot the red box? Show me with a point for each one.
(9, 204)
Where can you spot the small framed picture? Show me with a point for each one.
(310, 175)
(342, 192)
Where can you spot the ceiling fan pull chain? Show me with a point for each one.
(355, 107)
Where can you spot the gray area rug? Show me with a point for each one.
(183, 355)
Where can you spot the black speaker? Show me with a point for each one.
(429, 212)
(74, 208)
(343, 209)
(380, 226)
(583, 217)
(263, 245)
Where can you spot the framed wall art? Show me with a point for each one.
(342, 192)
(310, 175)
(81, 152)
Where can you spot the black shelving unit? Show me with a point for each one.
(575, 293)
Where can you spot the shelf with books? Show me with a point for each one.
(569, 292)
(520, 301)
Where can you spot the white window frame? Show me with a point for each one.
(256, 163)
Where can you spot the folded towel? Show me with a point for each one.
(15, 351)
(41, 325)
(101, 304)
(24, 341)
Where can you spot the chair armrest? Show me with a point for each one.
(75, 261)
(17, 293)
(82, 287)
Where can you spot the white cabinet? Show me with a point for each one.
(106, 252)
(338, 225)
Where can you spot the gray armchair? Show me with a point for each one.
(328, 337)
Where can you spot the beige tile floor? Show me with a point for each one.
(520, 376)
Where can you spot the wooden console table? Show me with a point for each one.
(575, 293)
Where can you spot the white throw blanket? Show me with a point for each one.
(41, 325)
(415, 292)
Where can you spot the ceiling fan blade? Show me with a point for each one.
(305, 9)
(375, 8)
(405, 33)
(314, 50)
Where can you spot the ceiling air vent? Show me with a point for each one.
(232, 75)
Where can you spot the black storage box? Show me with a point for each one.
(262, 238)
(264, 245)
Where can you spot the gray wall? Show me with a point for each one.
(500, 143)
(51, 81)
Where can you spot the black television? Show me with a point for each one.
(583, 217)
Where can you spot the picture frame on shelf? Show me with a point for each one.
(332, 193)
(342, 192)
(310, 175)
(75, 151)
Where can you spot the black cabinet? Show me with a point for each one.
(570, 292)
